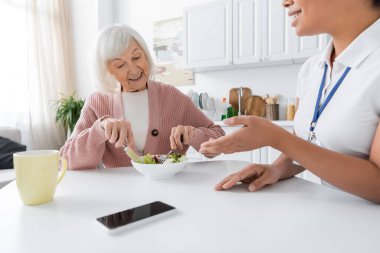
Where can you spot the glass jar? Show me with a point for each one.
(290, 108)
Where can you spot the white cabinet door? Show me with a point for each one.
(208, 34)
(229, 33)
(276, 32)
(304, 47)
(247, 31)
(256, 155)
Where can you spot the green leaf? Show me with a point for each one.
(135, 157)
(68, 111)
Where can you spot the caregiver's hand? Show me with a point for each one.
(255, 175)
(256, 132)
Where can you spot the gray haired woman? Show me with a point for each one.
(132, 109)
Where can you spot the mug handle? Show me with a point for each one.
(63, 169)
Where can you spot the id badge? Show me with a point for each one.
(313, 139)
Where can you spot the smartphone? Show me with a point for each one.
(120, 221)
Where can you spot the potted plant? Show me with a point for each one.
(68, 112)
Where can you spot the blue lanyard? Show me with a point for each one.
(318, 110)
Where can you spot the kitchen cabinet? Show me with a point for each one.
(280, 42)
(304, 47)
(230, 33)
(247, 39)
(276, 32)
(208, 34)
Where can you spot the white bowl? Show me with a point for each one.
(159, 171)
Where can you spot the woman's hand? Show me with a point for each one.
(256, 132)
(256, 175)
(181, 135)
(118, 132)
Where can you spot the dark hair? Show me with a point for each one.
(376, 3)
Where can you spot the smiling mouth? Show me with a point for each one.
(137, 78)
(294, 11)
(296, 14)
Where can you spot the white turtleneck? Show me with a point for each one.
(136, 111)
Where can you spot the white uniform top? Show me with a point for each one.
(349, 121)
(136, 111)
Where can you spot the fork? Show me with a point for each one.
(134, 157)
(162, 158)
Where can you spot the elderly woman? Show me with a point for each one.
(134, 110)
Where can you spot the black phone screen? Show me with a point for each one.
(125, 217)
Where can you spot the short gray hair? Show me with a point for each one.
(112, 42)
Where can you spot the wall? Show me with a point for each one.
(89, 16)
(86, 18)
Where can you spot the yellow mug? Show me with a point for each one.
(37, 175)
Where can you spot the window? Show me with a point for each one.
(13, 64)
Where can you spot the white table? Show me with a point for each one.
(6, 176)
(291, 216)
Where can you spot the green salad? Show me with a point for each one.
(153, 159)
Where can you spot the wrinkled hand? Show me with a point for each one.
(256, 132)
(255, 175)
(186, 132)
(118, 132)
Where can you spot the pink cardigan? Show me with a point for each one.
(168, 107)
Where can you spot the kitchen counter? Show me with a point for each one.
(282, 123)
